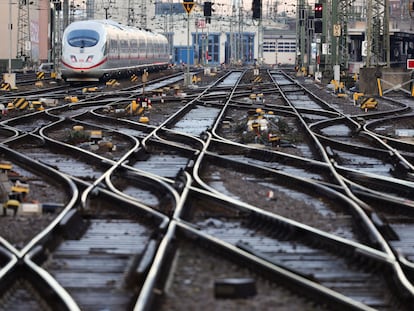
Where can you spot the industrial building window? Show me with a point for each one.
(286, 46)
(269, 46)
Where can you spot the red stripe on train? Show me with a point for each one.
(86, 68)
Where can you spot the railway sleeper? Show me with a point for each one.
(384, 228)
(401, 169)
(308, 291)
(256, 221)
(276, 228)
(368, 261)
(248, 248)
(139, 266)
(72, 226)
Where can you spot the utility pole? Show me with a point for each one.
(10, 77)
(335, 40)
(188, 7)
(261, 41)
(257, 15)
(24, 49)
(301, 34)
(344, 6)
(377, 36)
(232, 36)
(65, 13)
(56, 35)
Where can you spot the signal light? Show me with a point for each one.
(207, 11)
(318, 26)
(257, 9)
(207, 8)
(318, 10)
(58, 5)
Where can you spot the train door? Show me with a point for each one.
(150, 48)
(124, 50)
(142, 49)
(115, 53)
(134, 51)
(113, 49)
(127, 49)
(158, 52)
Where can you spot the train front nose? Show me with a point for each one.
(81, 62)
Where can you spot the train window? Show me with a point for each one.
(134, 47)
(124, 46)
(83, 38)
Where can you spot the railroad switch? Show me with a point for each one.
(355, 77)
(356, 97)
(369, 103)
(257, 97)
(18, 103)
(71, 99)
(134, 78)
(10, 106)
(20, 187)
(339, 88)
(159, 93)
(196, 79)
(78, 128)
(257, 79)
(40, 75)
(11, 204)
(143, 119)
(177, 90)
(139, 106)
(89, 89)
(21, 104)
(274, 139)
(112, 82)
(39, 84)
(5, 86)
(96, 136)
(37, 105)
(5, 166)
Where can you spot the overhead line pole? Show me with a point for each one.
(188, 6)
(10, 35)
(10, 77)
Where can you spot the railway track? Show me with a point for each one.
(239, 189)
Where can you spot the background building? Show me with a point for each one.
(30, 32)
(231, 36)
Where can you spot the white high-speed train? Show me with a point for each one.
(100, 49)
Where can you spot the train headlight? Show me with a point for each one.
(73, 58)
(89, 59)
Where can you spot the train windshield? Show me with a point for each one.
(83, 38)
